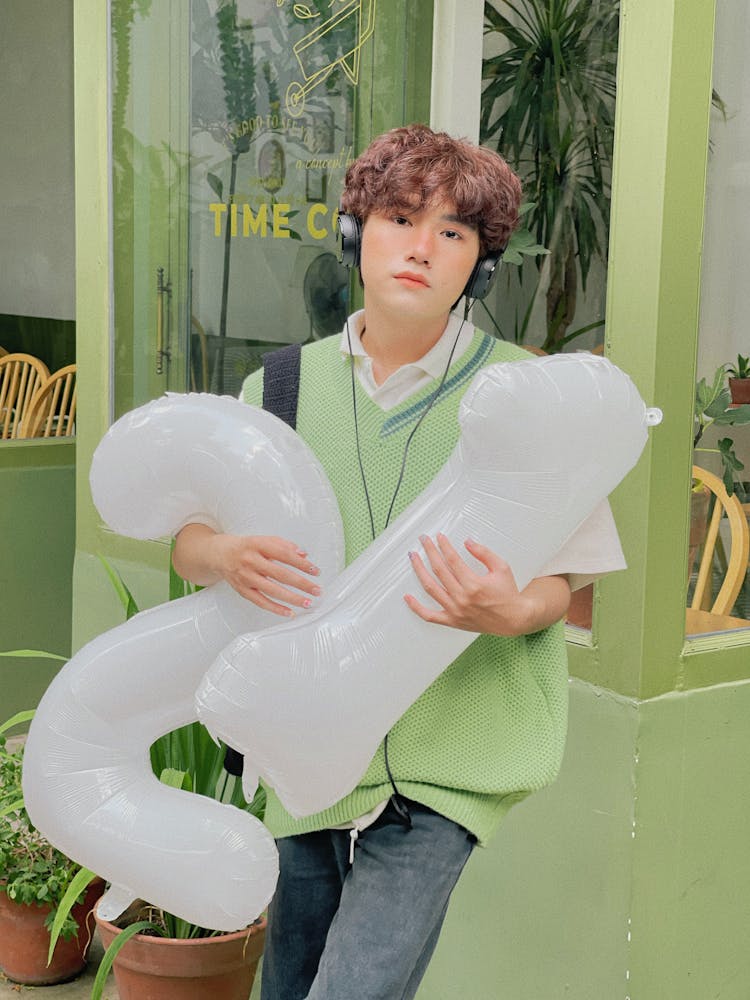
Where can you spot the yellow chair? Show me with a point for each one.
(52, 412)
(730, 508)
(21, 376)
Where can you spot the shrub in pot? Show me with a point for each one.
(146, 943)
(153, 952)
(45, 898)
(739, 380)
(713, 406)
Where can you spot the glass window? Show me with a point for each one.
(722, 424)
(548, 106)
(233, 125)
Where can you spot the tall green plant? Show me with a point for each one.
(548, 108)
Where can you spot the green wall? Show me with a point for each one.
(52, 340)
(628, 877)
(37, 527)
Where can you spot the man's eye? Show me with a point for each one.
(452, 234)
(400, 220)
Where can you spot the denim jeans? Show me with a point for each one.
(365, 931)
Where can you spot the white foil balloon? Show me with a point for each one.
(87, 778)
(542, 442)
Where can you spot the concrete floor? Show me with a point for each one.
(79, 989)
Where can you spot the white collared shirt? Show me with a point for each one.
(409, 378)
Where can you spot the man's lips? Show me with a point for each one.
(411, 277)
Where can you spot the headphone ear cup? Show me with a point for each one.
(482, 277)
(350, 233)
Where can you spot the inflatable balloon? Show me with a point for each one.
(337, 679)
(87, 776)
(542, 442)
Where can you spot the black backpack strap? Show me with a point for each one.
(280, 396)
(281, 382)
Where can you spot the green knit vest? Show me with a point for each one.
(491, 728)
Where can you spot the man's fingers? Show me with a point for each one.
(283, 551)
(427, 614)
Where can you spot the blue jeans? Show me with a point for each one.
(368, 930)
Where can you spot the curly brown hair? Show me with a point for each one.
(408, 168)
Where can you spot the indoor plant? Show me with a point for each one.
(739, 380)
(713, 405)
(39, 887)
(548, 108)
(161, 945)
(147, 943)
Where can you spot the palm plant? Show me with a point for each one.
(548, 108)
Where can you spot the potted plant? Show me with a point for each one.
(155, 953)
(713, 405)
(46, 900)
(739, 380)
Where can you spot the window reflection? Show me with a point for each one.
(717, 558)
(548, 106)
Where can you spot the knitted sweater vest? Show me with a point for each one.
(491, 728)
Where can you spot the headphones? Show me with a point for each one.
(480, 280)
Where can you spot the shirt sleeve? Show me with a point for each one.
(591, 551)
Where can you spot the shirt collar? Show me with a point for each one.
(434, 361)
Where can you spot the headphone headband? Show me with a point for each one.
(477, 287)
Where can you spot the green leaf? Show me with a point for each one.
(126, 598)
(114, 949)
(19, 719)
(12, 807)
(176, 779)
(77, 885)
(41, 654)
(216, 184)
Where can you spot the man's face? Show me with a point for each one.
(417, 264)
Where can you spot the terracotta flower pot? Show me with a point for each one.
(739, 390)
(24, 941)
(154, 968)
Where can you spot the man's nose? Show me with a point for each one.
(422, 245)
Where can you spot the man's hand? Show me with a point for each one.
(486, 602)
(271, 572)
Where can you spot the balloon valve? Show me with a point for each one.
(654, 416)
(114, 902)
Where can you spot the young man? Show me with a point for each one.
(379, 408)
